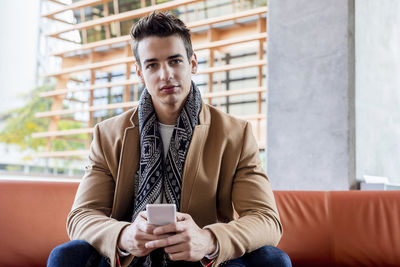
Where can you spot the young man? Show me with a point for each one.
(173, 148)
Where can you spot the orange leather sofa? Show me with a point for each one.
(340, 228)
(345, 228)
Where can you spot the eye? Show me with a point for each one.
(176, 61)
(151, 66)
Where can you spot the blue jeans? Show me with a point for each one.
(80, 253)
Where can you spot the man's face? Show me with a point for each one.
(166, 70)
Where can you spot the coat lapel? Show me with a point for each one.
(128, 164)
(193, 157)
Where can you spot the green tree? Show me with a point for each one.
(21, 122)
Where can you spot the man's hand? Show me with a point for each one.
(134, 237)
(190, 243)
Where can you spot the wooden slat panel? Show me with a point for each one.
(75, 153)
(232, 41)
(119, 61)
(74, 6)
(87, 88)
(66, 40)
(97, 65)
(253, 117)
(57, 2)
(130, 82)
(196, 47)
(105, 42)
(62, 154)
(85, 153)
(261, 36)
(233, 67)
(125, 16)
(134, 103)
(142, 12)
(90, 130)
(90, 109)
(231, 17)
(63, 132)
(233, 92)
(63, 21)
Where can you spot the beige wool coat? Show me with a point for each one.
(222, 174)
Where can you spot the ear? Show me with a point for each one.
(139, 72)
(193, 62)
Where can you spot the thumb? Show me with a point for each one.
(182, 216)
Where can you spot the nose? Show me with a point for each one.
(166, 72)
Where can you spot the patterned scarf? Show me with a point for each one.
(157, 176)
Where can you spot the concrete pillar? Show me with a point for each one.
(311, 105)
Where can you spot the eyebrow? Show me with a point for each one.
(155, 59)
(175, 56)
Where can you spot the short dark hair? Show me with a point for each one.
(160, 24)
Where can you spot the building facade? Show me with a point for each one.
(96, 78)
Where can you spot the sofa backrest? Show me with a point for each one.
(346, 228)
(33, 216)
(340, 228)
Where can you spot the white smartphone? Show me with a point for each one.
(161, 214)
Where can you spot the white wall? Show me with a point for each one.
(378, 88)
(19, 25)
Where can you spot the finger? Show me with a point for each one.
(143, 214)
(164, 236)
(176, 248)
(169, 241)
(182, 216)
(146, 228)
(169, 228)
(141, 245)
(180, 256)
(145, 237)
(142, 253)
(141, 217)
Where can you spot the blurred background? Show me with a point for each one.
(318, 80)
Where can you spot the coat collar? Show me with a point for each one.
(134, 119)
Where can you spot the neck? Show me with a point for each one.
(167, 114)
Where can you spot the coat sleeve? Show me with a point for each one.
(89, 218)
(252, 197)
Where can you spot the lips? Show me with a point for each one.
(168, 89)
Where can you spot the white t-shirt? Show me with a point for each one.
(166, 134)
